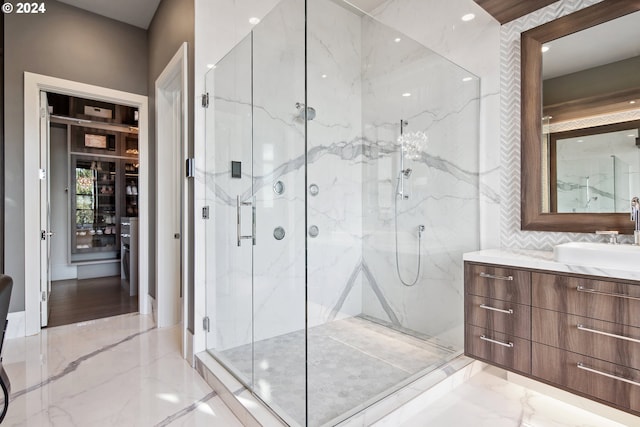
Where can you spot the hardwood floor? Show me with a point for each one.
(73, 301)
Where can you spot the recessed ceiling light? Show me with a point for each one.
(467, 79)
(631, 135)
(406, 94)
(545, 49)
(581, 140)
(211, 66)
(397, 40)
(253, 20)
(324, 76)
(632, 102)
(468, 17)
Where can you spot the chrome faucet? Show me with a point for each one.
(613, 236)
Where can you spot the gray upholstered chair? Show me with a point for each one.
(6, 284)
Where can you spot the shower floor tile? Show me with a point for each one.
(351, 362)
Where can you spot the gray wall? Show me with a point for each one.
(172, 25)
(600, 80)
(68, 43)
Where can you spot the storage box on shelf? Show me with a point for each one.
(89, 109)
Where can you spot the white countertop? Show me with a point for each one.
(543, 260)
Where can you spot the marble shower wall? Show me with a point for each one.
(229, 138)
(274, 302)
(353, 161)
(403, 80)
(334, 161)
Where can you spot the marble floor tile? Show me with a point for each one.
(351, 363)
(489, 400)
(118, 371)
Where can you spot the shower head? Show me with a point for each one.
(304, 111)
(407, 172)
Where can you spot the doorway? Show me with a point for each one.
(91, 195)
(36, 171)
(169, 306)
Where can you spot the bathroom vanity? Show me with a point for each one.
(570, 326)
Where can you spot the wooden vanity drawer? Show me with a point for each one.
(503, 283)
(607, 341)
(497, 348)
(496, 315)
(598, 299)
(606, 381)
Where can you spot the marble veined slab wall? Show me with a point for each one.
(334, 161)
(229, 138)
(402, 80)
(357, 73)
(258, 118)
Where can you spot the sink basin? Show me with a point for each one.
(621, 257)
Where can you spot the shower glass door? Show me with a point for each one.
(229, 181)
(342, 176)
(256, 192)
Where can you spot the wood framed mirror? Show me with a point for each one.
(533, 215)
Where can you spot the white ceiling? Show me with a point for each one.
(134, 12)
(603, 44)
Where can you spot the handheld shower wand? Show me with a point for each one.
(404, 173)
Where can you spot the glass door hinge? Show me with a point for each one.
(205, 100)
(205, 324)
(205, 212)
(44, 296)
(190, 168)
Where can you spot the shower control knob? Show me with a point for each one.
(314, 231)
(278, 233)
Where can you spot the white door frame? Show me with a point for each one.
(45, 209)
(33, 84)
(172, 136)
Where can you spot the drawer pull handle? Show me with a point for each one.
(504, 344)
(605, 374)
(499, 310)
(581, 288)
(595, 331)
(492, 276)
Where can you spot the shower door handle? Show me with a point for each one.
(239, 206)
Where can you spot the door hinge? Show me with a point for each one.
(42, 174)
(205, 212)
(44, 296)
(205, 100)
(190, 168)
(206, 324)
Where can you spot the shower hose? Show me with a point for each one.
(415, 280)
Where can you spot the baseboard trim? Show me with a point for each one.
(16, 328)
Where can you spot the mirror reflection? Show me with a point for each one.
(591, 105)
(594, 170)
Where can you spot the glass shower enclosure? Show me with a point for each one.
(342, 180)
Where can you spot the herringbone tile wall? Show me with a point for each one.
(511, 235)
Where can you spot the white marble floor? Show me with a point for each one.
(489, 400)
(119, 371)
